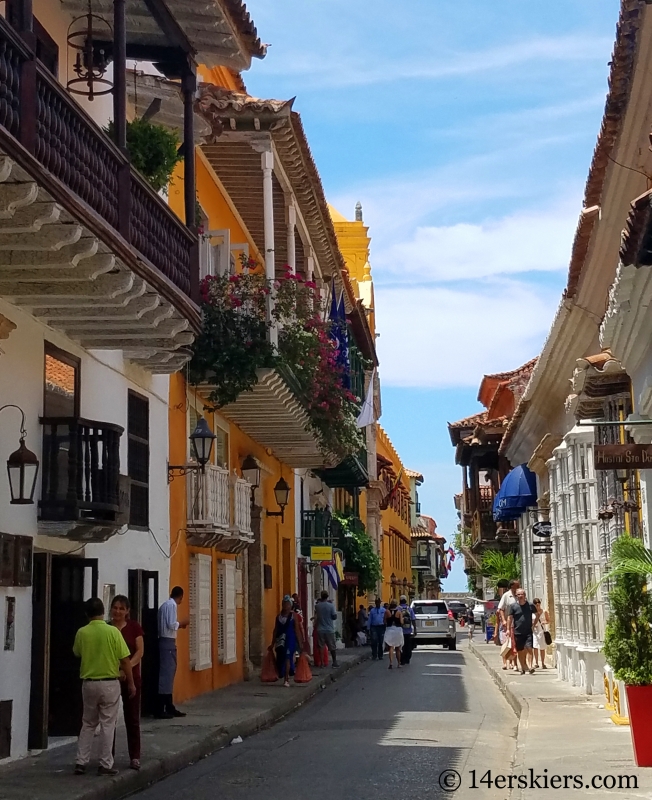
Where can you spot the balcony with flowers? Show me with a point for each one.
(293, 397)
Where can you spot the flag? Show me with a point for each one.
(343, 335)
(339, 567)
(331, 574)
(451, 555)
(366, 416)
(392, 491)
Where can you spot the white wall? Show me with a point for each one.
(105, 380)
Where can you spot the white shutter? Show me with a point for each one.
(226, 621)
(200, 612)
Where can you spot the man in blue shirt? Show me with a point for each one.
(376, 625)
(409, 629)
(168, 625)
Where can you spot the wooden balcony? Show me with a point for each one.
(89, 247)
(80, 495)
(219, 510)
(316, 530)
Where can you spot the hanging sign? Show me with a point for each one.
(321, 554)
(543, 529)
(350, 579)
(622, 456)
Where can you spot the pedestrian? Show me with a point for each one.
(363, 616)
(286, 640)
(103, 654)
(539, 630)
(470, 621)
(409, 629)
(133, 635)
(521, 615)
(506, 601)
(376, 625)
(394, 632)
(325, 616)
(168, 625)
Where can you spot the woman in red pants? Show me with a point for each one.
(132, 633)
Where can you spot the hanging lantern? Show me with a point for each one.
(88, 37)
(22, 466)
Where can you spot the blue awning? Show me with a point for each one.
(517, 493)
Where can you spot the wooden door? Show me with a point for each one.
(40, 667)
(73, 581)
(143, 598)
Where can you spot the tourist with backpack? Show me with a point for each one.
(409, 629)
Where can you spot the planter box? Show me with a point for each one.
(639, 701)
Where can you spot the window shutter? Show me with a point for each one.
(200, 612)
(226, 603)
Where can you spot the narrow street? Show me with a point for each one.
(375, 735)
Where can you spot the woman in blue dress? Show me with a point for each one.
(287, 640)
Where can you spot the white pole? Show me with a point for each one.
(267, 163)
(292, 248)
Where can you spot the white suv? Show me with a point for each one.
(435, 623)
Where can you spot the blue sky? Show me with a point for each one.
(466, 130)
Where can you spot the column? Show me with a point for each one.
(267, 165)
(292, 223)
(256, 590)
(189, 88)
(120, 73)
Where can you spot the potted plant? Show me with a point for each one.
(628, 636)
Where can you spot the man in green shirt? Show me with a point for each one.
(103, 654)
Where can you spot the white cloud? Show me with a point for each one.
(521, 242)
(439, 337)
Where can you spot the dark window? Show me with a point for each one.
(138, 459)
(61, 383)
(5, 728)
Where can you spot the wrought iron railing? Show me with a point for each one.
(81, 469)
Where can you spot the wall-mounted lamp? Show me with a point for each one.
(251, 471)
(282, 495)
(22, 467)
(201, 444)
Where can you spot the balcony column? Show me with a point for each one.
(189, 88)
(267, 166)
(120, 73)
(292, 248)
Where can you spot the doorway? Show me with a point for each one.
(143, 599)
(61, 584)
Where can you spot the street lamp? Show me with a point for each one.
(22, 467)
(201, 445)
(282, 495)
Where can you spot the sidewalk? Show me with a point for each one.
(564, 731)
(168, 745)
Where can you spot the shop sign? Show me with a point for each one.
(321, 554)
(622, 456)
(350, 579)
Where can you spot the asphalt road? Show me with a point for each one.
(373, 735)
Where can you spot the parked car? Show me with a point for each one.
(478, 613)
(458, 608)
(435, 623)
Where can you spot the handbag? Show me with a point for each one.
(303, 673)
(268, 673)
(547, 636)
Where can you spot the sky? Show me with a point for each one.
(466, 131)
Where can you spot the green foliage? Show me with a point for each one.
(499, 566)
(359, 553)
(153, 151)
(628, 637)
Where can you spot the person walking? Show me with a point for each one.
(409, 629)
(103, 654)
(394, 632)
(506, 601)
(376, 625)
(168, 625)
(287, 639)
(519, 621)
(470, 621)
(539, 630)
(325, 616)
(134, 637)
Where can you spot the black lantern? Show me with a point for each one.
(22, 468)
(201, 442)
(282, 495)
(251, 471)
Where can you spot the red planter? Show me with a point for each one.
(639, 701)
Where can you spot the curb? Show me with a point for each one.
(129, 782)
(519, 705)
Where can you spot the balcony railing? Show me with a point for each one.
(81, 470)
(209, 498)
(421, 562)
(316, 530)
(36, 110)
(242, 506)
